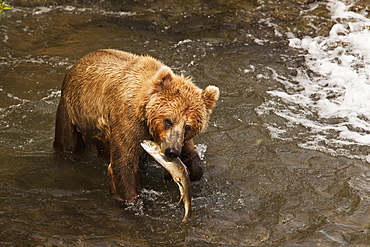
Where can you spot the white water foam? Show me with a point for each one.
(201, 149)
(327, 105)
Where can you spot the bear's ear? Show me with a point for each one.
(210, 96)
(163, 78)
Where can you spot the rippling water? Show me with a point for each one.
(330, 96)
(286, 152)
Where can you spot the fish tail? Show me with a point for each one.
(187, 216)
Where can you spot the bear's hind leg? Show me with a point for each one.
(67, 138)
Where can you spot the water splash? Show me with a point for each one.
(327, 105)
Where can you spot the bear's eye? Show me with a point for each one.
(167, 123)
(187, 128)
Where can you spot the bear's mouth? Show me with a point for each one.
(172, 153)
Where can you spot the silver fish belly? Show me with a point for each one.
(178, 171)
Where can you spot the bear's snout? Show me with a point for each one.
(172, 153)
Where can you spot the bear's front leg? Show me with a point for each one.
(190, 157)
(123, 172)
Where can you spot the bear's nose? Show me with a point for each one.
(172, 153)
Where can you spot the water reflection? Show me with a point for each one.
(256, 189)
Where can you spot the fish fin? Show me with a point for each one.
(181, 198)
(164, 157)
(178, 181)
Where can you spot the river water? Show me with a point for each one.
(286, 152)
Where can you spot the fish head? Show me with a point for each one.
(151, 147)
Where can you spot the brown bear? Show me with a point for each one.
(115, 100)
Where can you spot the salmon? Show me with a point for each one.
(178, 171)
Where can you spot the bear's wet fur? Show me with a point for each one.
(114, 100)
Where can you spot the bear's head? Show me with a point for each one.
(176, 110)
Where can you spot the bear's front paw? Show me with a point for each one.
(194, 165)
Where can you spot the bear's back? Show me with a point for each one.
(107, 79)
